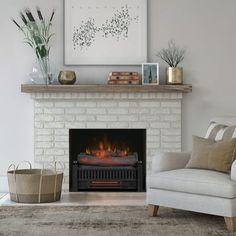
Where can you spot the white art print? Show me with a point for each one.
(110, 32)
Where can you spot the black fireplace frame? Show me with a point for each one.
(126, 174)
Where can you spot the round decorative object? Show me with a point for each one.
(67, 77)
(174, 75)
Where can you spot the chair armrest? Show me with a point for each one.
(233, 171)
(169, 161)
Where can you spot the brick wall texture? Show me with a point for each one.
(56, 113)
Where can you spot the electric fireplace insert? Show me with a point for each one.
(107, 159)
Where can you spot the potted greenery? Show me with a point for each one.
(172, 55)
(37, 36)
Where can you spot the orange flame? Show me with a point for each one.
(105, 149)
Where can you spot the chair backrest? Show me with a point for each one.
(222, 128)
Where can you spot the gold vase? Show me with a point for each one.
(174, 75)
(67, 77)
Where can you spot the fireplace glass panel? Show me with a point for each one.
(107, 159)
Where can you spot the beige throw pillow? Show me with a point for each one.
(211, 155)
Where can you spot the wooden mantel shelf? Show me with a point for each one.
(33, 88)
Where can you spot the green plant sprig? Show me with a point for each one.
(171, 55)
(37, 33)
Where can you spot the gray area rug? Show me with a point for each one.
(106, 221)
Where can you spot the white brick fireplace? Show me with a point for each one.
(55, 113)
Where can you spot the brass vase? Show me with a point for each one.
(174, 75)
(67, 77)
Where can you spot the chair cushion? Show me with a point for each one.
(218, 131)
(195, 181)
(211, 155)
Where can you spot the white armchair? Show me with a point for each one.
(170, 184)
(169, 161)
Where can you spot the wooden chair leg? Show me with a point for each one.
(152, 210)
(230, 223)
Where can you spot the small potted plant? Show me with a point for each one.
(173, 55)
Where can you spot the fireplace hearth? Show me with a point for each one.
(107, 159)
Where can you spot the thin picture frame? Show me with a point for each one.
(150, 74)
(89, 38)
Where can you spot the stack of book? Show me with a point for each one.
(123, 78)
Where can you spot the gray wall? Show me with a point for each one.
(206, 28)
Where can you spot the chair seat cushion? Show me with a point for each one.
(195, 181)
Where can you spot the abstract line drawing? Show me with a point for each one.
(117, 27)
(105, 32)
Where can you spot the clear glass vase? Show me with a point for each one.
(42, 72)
(45, 68)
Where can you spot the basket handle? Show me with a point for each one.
(48, 164)
(60, 163)
(54, 165)
(14, 174)
(30, 165)
(12, 165)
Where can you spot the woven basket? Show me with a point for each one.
(34, 185)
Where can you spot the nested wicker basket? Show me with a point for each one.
(34, 185)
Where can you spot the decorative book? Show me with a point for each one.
(123, 78)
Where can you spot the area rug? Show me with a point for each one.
(106, 221)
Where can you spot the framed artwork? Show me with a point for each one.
(150, 73)
(105, 32)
